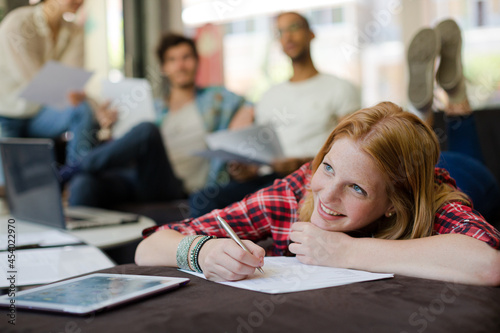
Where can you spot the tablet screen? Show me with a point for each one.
(92, 292)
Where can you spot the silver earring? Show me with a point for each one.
(390, 214)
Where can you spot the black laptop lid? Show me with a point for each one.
(31, 182)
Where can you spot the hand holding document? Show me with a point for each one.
(52, 85)
(133, 99)
(257, 144)
(288, 274)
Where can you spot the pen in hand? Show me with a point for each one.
(235, 237)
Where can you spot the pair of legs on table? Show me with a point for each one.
(134, 168)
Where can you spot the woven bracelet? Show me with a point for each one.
(196, 252)
(183, 251)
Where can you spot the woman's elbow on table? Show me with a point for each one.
(140, 257)
(488, 272)
(147, 253)
(492, 277)
(158, 249)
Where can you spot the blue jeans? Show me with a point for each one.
(134, 168)
(464, 162)
(51, 123)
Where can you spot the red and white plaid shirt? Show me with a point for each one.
(272, 211)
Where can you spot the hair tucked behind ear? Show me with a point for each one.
(406, 150)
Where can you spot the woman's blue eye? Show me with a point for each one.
(358, 189)
(328, 167)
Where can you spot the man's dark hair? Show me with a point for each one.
(170, 40)
(301, 17)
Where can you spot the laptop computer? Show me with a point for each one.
(34, 192)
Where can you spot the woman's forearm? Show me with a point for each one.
(159, 249)
(450, 257)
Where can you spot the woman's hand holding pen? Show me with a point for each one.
(315, 246)
(223, 259)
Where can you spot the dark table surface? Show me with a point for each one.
(401, 305)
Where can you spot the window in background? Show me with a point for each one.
(359, 40)
(480, 23)
(337, 15)
(253, 60)
(115, 39)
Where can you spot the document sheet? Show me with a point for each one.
(45, 265)
(41, 239)
(255, 144)
(53, 82)
(133, 98)
(288, 274)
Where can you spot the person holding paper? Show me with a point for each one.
(303, 110)
(30, 36)
(372, 199)
(162, 154)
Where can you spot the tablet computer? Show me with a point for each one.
(90, 293)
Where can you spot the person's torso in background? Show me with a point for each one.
(26, 44)
(304, 113)
(184, 133)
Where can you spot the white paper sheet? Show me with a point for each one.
(256, 144)
(133, 98)
(40, 266)
(53, 82)
(47, 238)
(288, 274)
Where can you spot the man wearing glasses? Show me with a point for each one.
(310, 103)
(303, 110)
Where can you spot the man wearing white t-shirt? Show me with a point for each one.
(304, 110)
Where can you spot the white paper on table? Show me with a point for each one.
(256, 144)
(45, 265)
(288, 274)
(133, 98)
(53, 82)
(45, 238)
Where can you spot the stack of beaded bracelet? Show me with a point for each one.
(183, 251)
(196, 252)
(187, 260)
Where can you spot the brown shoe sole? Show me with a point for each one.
(422, 53)
(449, 72)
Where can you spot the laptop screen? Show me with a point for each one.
(32, 187)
